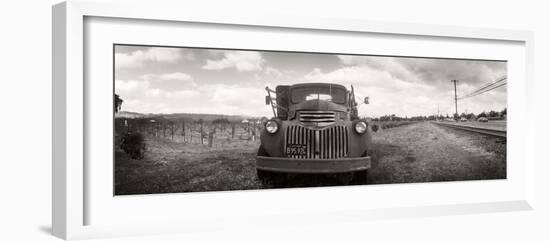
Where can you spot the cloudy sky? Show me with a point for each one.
(187, 80)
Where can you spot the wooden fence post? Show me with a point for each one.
(191, 132)
(211, 137)
(183, 130)
(202, 138)
(172, 130)
(254, 131)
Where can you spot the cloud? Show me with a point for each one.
(176, 76)
(141, 96)
(386, 64)
(145, 96)
(437, 72)
(242, 61)
(388, 93)
(130, 88)
(362, 76)
(140, 57)
(170, 81)
(271, 71)
(395, 85)
(411, 87)
(181, 94)
(234, 99)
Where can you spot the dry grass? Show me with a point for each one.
(420, 152)
(427, 153)
(179, 167)
(382, 125)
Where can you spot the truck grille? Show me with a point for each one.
(327, 143)
(318, 118)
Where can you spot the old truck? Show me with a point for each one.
(315, 129)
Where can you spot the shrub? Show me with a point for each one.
(374, 128)
(133, 144)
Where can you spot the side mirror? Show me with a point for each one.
(267, 100)
(366, 101)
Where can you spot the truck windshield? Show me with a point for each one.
(328, 93)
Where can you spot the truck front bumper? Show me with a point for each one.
(292, 165)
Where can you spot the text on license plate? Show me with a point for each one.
(296, 149)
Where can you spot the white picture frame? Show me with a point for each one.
(71, 189)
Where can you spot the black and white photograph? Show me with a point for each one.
(190, 119)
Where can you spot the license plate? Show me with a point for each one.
(296, 149)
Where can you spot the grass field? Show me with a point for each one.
(181, 167)
(417, 152)
(424, 152)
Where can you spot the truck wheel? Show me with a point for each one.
(345, 178)
(262, 175)
(360, 177)
(267, 178)
(262, 152)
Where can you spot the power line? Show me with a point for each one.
(489, 89)
(483, 91)
(485, 88)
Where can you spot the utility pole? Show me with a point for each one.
(456, 105)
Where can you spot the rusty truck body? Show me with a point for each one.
(315, 129)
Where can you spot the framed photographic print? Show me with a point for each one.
(193, 119)
(178, 121)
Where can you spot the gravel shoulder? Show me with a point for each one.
(495, 125)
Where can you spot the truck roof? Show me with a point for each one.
(318, 84)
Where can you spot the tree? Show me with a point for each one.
(118, 103)
(482, 114)
(503, 112)
(221, 121)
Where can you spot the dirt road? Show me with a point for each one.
(421, 152)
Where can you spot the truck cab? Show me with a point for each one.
(315, 129)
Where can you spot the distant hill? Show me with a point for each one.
(186, 116)
(206, 117)
(129, 115)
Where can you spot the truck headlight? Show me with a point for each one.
(361, 127)
(271, 126)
